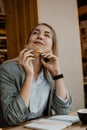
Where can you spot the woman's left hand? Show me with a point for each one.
(53, 64)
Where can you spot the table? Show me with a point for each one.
(76, 126)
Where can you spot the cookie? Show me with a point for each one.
(35, 49)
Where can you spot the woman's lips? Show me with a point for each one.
(39, 43)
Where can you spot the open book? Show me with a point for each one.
(58, 122)
(65, 118)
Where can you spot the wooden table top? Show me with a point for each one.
(76, 126)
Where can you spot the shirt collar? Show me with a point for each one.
(40, 76)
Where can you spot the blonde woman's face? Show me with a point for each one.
(41, 36)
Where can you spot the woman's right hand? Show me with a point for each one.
(25, 59)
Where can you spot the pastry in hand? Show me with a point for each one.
(35, 49)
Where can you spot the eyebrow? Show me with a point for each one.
(39, 30)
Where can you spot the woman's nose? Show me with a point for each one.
(40, 36)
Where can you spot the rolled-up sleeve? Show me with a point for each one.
(16, 112)
(61, 106)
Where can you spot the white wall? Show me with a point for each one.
(63, 16)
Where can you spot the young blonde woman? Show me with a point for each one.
(32, 86)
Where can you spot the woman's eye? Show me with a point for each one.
(35, 32)
(47, 35)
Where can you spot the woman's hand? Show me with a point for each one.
(53, 62)
(25, 59)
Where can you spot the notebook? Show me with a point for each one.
(66, 118)
(58, 122)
